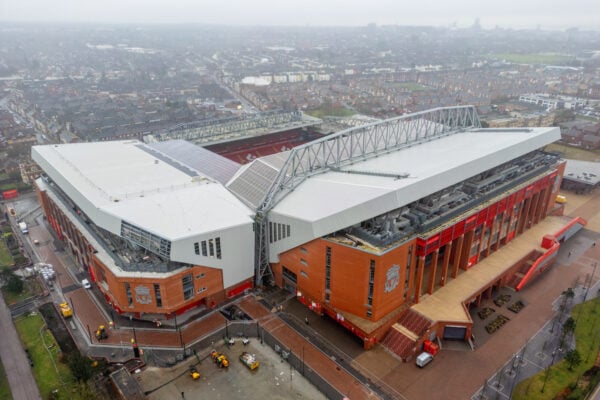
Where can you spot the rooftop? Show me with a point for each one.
(369, 188)
(583, 171)
(129, 181)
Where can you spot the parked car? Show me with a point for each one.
(86, 284)
(423, 359)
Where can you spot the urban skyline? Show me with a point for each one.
(460, 13)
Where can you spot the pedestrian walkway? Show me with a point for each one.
(540, 352)
(313, 358)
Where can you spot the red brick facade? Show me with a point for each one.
(132, 292)
(336, 278)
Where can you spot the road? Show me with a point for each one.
(14, 359)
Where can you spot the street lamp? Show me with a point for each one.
(595, 264)
(548, 370)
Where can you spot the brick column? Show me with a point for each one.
(420, 267)
(456, 261)
(433, 270)
(445, 263)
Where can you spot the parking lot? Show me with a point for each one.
(273, 379)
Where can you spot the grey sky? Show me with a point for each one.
(551, 14)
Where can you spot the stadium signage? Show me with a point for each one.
(392, 278)
(142, 295)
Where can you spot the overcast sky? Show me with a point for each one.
(548, 14)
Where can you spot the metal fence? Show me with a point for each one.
(249, 329)
(297, 362)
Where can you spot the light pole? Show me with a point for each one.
(595, 264)
(548, 370)
(121, 341)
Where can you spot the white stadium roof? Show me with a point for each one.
(125, 180)
(334, 200)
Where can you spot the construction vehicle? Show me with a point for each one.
(194, 372)
(561, 199)
(219, 359)
(249, 360)
(101, 333)
(65, 310)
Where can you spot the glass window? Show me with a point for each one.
(218, 245)
(188, 286)
(128, 293)
(147, 240)
(157, 295)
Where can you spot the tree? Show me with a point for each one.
(573, 358)
(80, 367)
(13, 283)
(5, 275)
(569, 325)
(563, 115)
(569, 293)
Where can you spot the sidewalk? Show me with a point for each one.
(540, 352)
(543, 349)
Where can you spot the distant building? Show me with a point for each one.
(30, 171)
(553, 102)
(581, 176)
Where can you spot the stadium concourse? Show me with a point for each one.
(372, 226)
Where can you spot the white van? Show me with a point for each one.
(423, 359)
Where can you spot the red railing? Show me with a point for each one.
(539, 264)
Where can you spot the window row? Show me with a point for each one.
(209, 248)
(145, 239)
(278, 231)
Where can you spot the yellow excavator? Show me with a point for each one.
(194, 372)
(65, 310)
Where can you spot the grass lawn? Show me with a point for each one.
(574, 153)
(6, 259)
(330, 112)
(412, 86)
(42, 353)
(533, 58)
(31, 287)
(4, 388)
(587, 337)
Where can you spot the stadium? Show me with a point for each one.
(393, 229)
